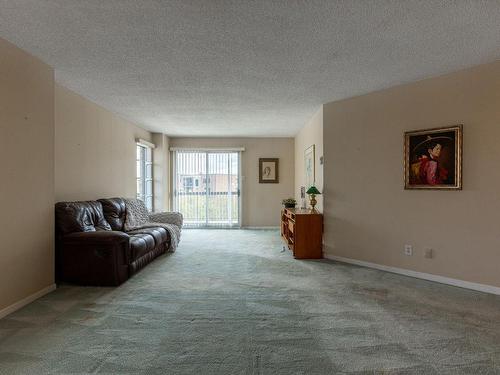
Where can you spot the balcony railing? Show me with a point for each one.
(209, 209)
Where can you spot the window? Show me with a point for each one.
(145, 175)
(188, 182)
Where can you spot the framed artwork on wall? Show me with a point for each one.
(309, 166)
(433, 158)
(268, 170)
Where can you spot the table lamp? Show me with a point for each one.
(312, 192)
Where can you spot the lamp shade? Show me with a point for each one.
(313, 190)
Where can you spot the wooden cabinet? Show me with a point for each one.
(302, 232)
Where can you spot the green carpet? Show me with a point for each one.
(229, 302)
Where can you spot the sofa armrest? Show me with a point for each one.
(167, 218)
(100, 237)
(95, 258)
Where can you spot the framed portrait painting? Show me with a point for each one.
(309, 167)
(433, 158)
(268, 170)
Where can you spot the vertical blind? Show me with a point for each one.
(207, 187)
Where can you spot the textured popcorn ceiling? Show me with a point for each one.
(245, 68)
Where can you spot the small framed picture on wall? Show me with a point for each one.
(268, 170)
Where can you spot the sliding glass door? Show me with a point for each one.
(207, 187)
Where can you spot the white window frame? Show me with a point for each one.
(144, 158)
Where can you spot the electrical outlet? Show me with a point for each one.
(408, 250)
(428, 253)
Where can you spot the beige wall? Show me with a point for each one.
(261, 203)
(27, 175)
(311, 134)
(95, 153)
(370, 217)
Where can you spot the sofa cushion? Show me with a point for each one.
(160, 234)
(114, 212)
(141, 244)
(83, 216)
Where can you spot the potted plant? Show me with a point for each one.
(289, 202)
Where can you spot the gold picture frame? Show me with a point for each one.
(433, 158)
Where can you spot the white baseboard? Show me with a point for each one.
(19, 304)
(419, 275)
(262, 228)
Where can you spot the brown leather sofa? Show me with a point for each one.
(92, 247)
